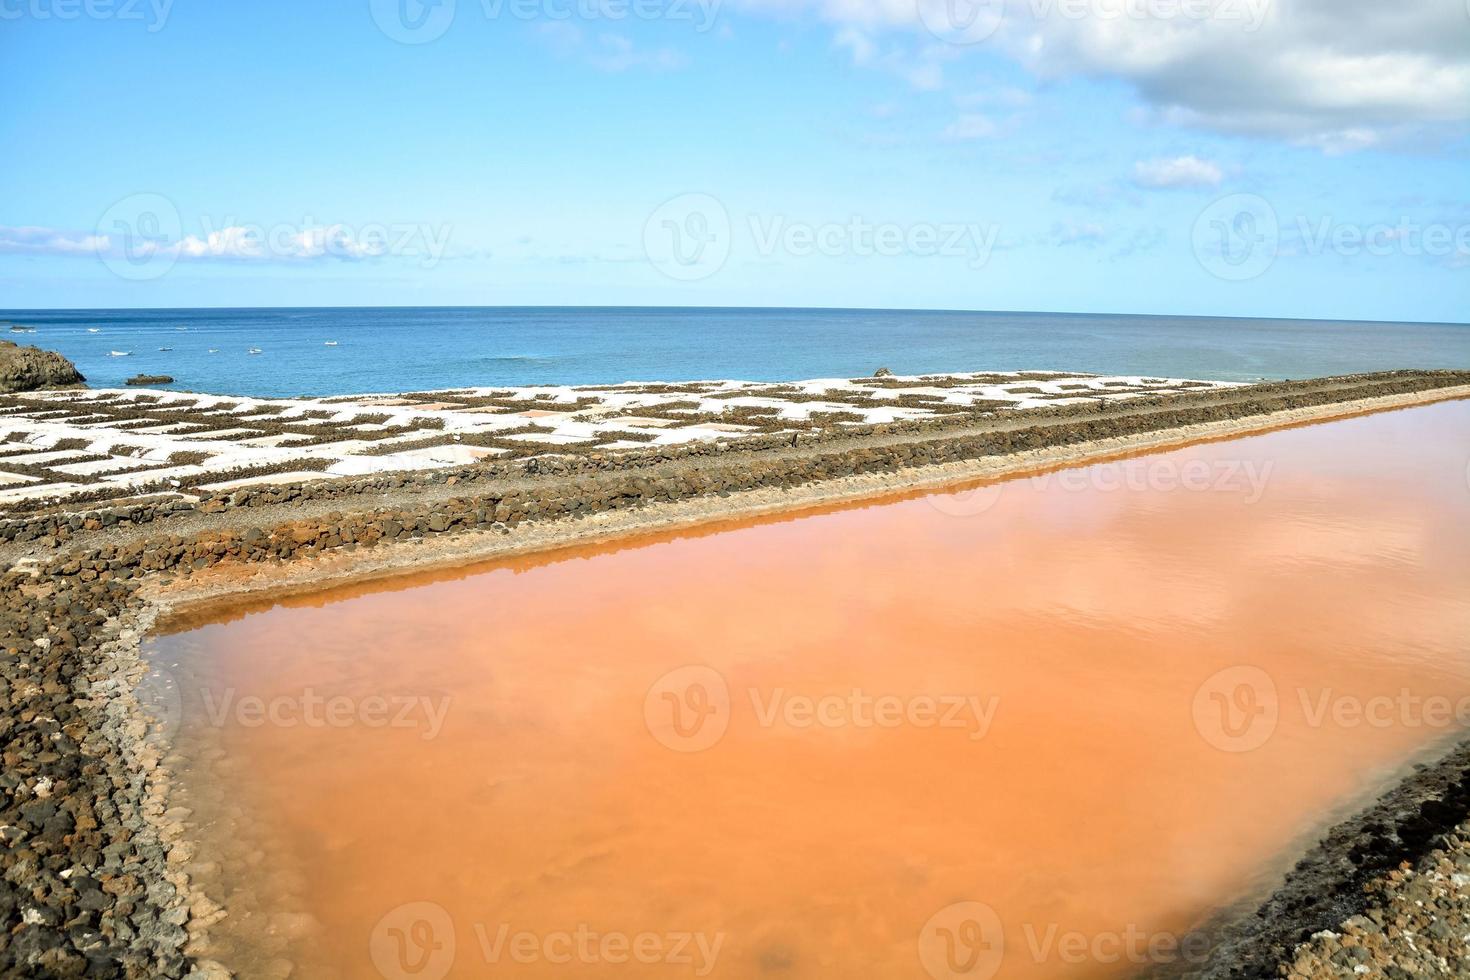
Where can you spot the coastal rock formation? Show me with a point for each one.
(883, 372)
(30, 368)
(150, 379)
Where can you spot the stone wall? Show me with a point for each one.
(585, 484)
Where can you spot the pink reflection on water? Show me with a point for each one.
(880, 741)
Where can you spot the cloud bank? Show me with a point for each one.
(1337, 75)
(1178, 172)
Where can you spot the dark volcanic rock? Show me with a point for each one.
(150, 379)
(29, 368)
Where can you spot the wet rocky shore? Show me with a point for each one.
(93, 878)
(1413, 923)
(1387, 890)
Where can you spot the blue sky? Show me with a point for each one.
(1231, 157)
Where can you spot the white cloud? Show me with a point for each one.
(32, 240)
(1106, 196)
(922, 68)
(608, 51)
(1005, 96)
(616, 52)
(970, 126)
(1342, 141)
(1177, 172)
(861, 47)
(242, 243)
(234, 243)
(1331, 73)
(1338, 75)
(1142, 240)
(1088, 234)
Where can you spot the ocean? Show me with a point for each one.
(402, 349)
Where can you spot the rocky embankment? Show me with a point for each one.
(1414, 923)
(1387, 891)
(30, 369)
(93, 864)
(85, 883)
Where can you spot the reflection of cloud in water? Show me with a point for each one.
(1094, 618)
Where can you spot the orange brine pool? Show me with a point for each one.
(1043, 728)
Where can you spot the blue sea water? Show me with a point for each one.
(403, 349)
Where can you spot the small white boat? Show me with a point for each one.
(181, 328)
(330, 343)
(165, 348)
(254, 350)
(214, 350)
(118, 353)
(94, 330)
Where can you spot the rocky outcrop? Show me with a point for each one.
(30, 368)
(150, 379)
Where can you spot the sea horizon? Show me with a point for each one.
(287, 351)
(5, 314)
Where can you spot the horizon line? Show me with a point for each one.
(810, 309)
